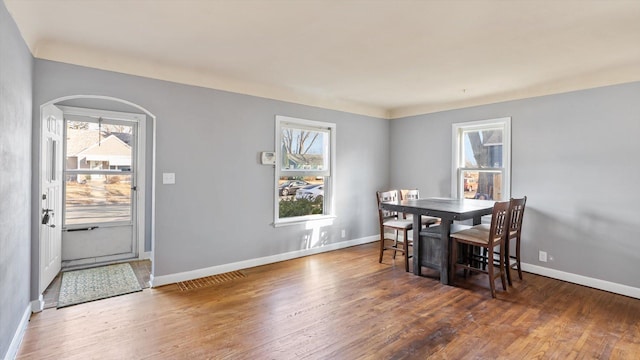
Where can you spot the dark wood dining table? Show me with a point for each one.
(431, 248)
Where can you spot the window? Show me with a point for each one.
(305, 161)
(482, 159)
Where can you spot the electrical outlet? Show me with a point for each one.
(344, 233)
(542, 256)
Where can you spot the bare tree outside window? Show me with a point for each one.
(302, 149)
(78, 125)
(295, 141)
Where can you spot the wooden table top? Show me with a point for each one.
(454, 209)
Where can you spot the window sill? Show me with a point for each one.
(305, 220)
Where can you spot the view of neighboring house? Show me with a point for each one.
(95, 150)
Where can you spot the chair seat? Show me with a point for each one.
(476, 234)
(398, 224)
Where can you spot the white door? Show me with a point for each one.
(51, 185)
(100, 188)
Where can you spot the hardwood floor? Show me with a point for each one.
(343, 305)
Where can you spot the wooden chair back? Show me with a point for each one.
(517, 214)
(413, 194)
(384, 196)
(499, 223)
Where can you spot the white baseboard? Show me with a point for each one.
(214, 270)
(534, 269)
(19, 334)
(583, 280)
(145, 255)
(37, 305)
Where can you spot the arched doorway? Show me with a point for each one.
(103, 211)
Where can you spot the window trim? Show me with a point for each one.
(329, 186)
(457, 183)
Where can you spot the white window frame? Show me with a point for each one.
(330, 173)
(457, 167)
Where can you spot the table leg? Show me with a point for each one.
(445, 228)
(417, 250)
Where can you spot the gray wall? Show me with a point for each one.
(16, 70)
(221, 208)
(575, 156)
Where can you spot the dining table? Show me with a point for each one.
(432, 245)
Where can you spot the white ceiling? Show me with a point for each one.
(386, 58)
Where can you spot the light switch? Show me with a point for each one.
(168, 178)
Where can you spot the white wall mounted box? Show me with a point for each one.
(268, 158)
(168, 178)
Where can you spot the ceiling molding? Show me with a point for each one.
(83, 56)
(605, 77)
(93, 58)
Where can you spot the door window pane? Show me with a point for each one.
(92, 198)
(98, 163)
(93, 146)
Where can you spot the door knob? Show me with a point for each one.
(46, 216)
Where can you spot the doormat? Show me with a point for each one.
(81, 286)
(209, 280)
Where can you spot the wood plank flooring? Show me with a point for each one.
(344, 305)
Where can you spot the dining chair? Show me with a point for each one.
(414, 194)
(515, 230)
(511, 261)
(393, 221)
(478, 236)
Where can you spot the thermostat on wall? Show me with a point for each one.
(268, 158)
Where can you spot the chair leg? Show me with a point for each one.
(507, 261)
(518, 257)
(502, 269)
(485, 255)
(395, 245)
(381, 244)
(492, 278)
(406, 251)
